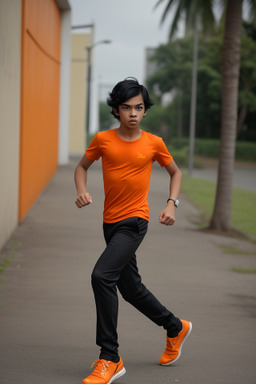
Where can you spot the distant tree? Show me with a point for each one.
(174, 74)
(230, 63)
(160, 122)
(209, 87)
(247, 79)
(174, 63)
(106, 120)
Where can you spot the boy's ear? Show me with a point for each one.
(146, 111)
(115, 110)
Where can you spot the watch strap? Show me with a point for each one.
(171, 200)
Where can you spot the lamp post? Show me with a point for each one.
(193, 101)
(89, 50)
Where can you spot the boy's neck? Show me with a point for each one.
(129, 134)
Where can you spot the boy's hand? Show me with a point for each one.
(167, 216)
(83, 199)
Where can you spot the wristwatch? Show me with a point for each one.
(176, 202)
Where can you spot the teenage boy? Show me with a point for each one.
(127, 156)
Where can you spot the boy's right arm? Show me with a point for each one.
(83, 197)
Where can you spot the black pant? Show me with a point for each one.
(117, 267)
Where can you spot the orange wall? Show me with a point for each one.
(40, 73)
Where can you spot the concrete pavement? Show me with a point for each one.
(244, 178)
(47, 314)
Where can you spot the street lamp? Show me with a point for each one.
(89, 50)
(193, 101)
(83, 26)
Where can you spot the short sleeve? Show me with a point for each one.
(93, 152)
(162, 155)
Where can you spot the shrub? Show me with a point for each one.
(245, 151)
(207, 147)
(181, 157)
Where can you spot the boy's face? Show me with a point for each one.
(131, 112)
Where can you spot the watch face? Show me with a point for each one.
(177, 202)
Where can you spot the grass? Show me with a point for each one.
(4, 264)
(202, 194)
(235, 251)
(244, 270)
(9, 254)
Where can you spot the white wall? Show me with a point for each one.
(64, 86)
(10, 50)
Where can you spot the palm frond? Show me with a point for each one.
(208, 19)
(168, 8)
(196, 9)
(177, 17)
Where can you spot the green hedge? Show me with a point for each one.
(245, 151)
(181, 157)
(207, 148)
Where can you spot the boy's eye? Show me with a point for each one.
(127, 108)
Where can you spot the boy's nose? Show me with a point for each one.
(133, 112)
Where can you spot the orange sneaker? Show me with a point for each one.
(105, 372)
(174, 345)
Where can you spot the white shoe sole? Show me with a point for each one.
(117, 375)
(188, 333)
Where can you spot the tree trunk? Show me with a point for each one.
(221, 218)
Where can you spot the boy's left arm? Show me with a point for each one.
(167, 216)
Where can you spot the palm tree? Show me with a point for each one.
(197, 13)
(221, 218)
(201, 9)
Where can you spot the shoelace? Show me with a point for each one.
(101, 366)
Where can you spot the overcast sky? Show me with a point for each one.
(131, 25)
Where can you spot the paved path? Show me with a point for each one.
(47, 315)
(244, 178)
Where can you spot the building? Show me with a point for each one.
(78, 94)
(35, 48)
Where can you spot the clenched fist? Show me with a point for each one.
(83, 199)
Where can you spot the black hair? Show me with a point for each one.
(125, 90)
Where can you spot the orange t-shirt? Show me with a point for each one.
(126, 172)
